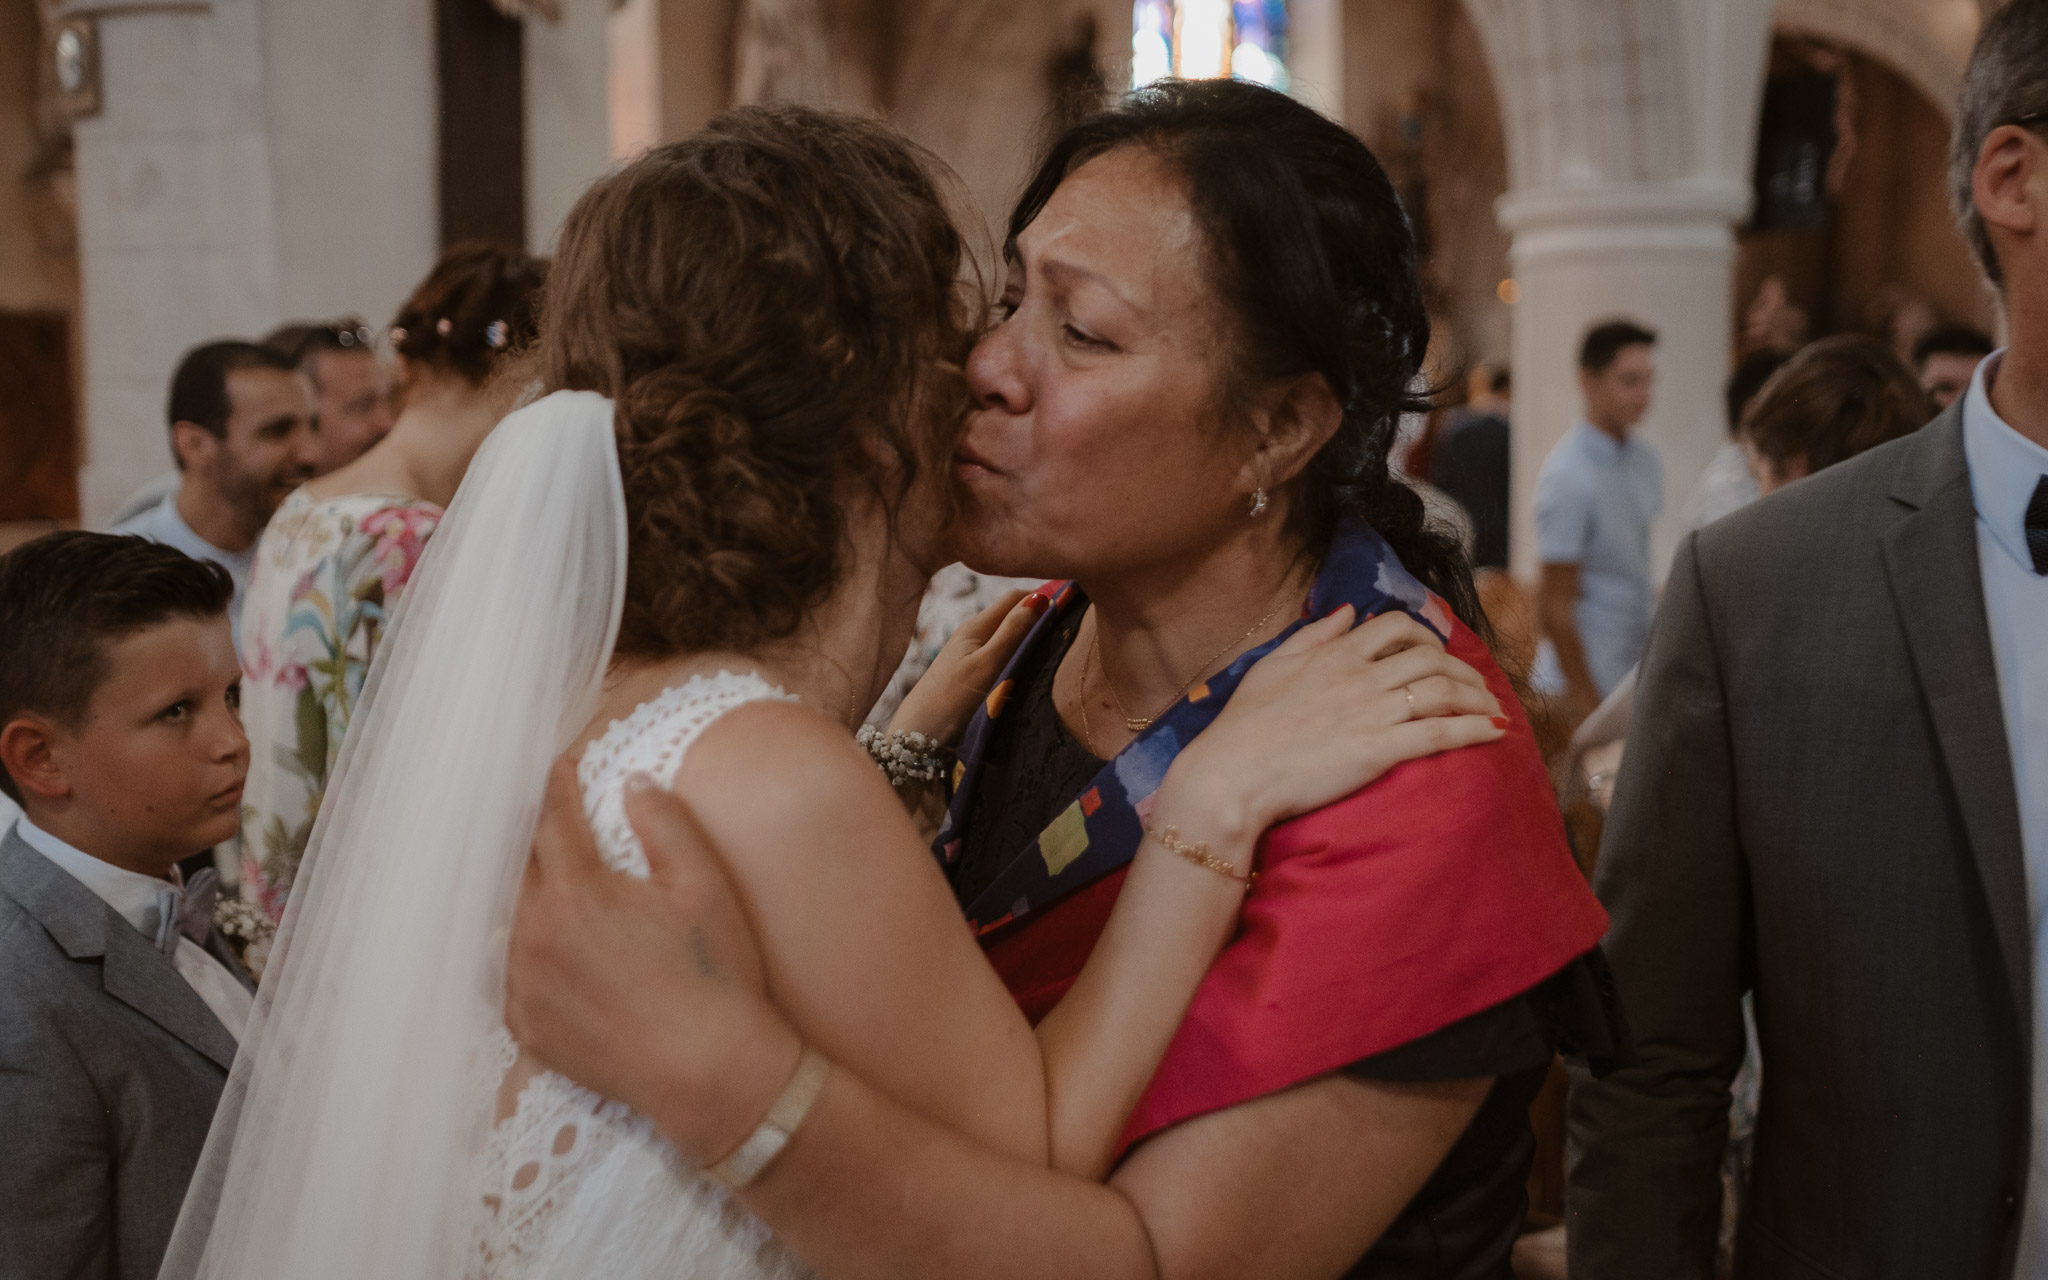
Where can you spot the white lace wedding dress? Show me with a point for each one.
(359, 1132)
(574, 1186)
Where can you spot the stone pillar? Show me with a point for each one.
(1630, 125)
(1662, 254)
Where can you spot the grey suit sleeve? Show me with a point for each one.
(56, 1181)
(1644, 1163)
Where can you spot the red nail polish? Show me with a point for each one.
(1038, 602)
(1500, 722)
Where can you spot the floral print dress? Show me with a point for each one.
(328, 575)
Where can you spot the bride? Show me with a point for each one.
(693, 564)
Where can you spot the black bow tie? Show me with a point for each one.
(2037, 526)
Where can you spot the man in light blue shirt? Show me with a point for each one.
(243, 436)
(1598, 495)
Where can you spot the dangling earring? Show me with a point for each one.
(1258, 502)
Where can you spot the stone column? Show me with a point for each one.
(1660, 253)
(1630, 125)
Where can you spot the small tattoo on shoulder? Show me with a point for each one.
(700, 951)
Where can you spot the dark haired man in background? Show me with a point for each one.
(1835, 797)
(1472, 466)
(350, 404)
(243, 438)
(1945, 358)
(1599, 492)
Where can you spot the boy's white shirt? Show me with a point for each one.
(138, 899)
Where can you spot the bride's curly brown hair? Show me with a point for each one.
(774, 305)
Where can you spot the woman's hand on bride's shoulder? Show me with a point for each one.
(650, 991)
(1335, 707)
(941, 703)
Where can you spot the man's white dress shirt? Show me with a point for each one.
(141, 901)
(2005, 467)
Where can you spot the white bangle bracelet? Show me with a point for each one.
(773, 1133)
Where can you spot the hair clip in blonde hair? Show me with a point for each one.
(496, 334)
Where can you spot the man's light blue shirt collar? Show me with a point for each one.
(1603, 446)
(2005, 466)
(135, 897)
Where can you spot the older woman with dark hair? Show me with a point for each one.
(1211, 328)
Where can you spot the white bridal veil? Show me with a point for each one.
(365, 1083)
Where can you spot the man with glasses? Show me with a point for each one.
(351, 401)
(1835, 797)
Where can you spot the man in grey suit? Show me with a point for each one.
(120, 1002)
(1835, 797)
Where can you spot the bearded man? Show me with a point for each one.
(243, 436)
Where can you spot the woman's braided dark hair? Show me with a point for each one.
(1314, 259)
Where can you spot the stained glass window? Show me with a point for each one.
(1204, 39)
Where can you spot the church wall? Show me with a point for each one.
(1419, 91)
(567, 129)
(1891, 235)
(38, 252)
(1896, 226)
(38, 271)
(976, 83)
(350, 119)
(175, 223)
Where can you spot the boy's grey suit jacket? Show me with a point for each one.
(110, 1068)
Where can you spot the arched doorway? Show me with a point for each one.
(1853, 214)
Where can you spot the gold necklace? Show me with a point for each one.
(852, 691)
(1138, 724)
(1088, 730)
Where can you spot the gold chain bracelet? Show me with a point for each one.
(1169, 839)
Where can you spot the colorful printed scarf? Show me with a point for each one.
(1102, 829)
(1436, 892)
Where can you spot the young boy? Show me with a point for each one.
(120, 1004)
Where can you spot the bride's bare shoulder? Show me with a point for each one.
(781, 761)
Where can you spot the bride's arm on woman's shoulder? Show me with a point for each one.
(864, 947)
(1321, 716)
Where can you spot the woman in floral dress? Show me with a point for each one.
(337, 556)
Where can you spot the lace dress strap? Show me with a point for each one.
(652, 740)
